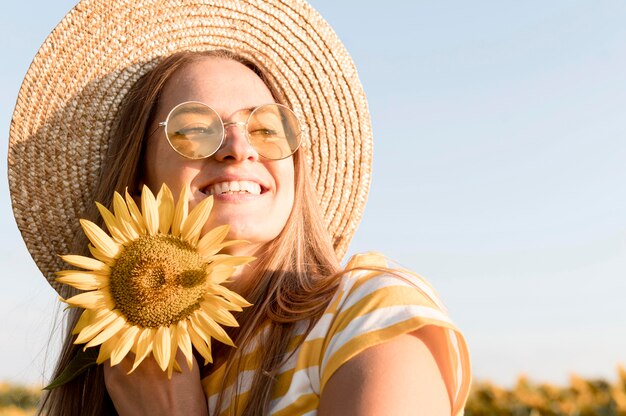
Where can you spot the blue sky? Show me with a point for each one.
(498, 174)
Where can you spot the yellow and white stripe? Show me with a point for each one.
(369, 308)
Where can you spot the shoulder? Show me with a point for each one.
(373, 292)
(375, 305)
(400, 376)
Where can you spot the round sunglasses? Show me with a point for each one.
(196, 131)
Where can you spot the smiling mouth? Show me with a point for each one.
(235, 187)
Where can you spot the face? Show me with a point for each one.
(252, 194)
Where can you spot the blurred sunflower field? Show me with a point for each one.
(582, 397)
(18, 400)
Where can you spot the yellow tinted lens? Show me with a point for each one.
(194, 130)
(274, 131)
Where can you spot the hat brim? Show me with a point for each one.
(76, 82)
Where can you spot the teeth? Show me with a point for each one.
(239, 187)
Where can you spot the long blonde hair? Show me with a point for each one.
(292, 281)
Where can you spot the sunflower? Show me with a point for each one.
(153, 285)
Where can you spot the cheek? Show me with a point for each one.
(286, 176)
(162, 165)
(151, 175)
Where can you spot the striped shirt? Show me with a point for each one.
(369, 308)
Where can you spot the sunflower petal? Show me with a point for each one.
(229, 295)
(150, 211)
(173, 349)
(107, 298)
(108, 332)
(124, 344)
(101, 240)
(223, 303)
(97, 254)
(213, 239)
(97, 324)
(196, 220)
(135, 213)
(218, 313)
(210, 251)
(72, 272)
(229, 306)
(83, 321)
(161, 348)
(82, 280)
(86, 263)
(144, 346)
(128, 226)
(165, 203)
(220, 274)
(112, 224)
(184, 343)
(210, 327)
(202, 345)
(180, 212)
(88, 300)
(105, 350)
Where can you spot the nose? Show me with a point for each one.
(236, 145)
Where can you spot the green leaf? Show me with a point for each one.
(81, 362)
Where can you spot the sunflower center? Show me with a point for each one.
(158, 280)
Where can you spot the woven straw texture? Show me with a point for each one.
(73, 88)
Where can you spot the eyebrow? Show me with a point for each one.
(192, 108)
(248, 109)
(189, 108)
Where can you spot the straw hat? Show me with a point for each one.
(72, 90)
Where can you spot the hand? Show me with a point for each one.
(147, 390)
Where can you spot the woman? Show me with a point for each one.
(373, 341)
